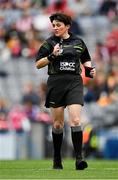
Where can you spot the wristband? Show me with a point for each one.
(51, 57)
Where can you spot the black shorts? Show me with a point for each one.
(64, 90)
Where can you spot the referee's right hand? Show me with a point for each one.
(56, 50)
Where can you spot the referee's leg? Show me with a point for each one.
(57, 135)
(77, 135)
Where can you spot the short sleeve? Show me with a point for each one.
(44, 50)
(85, 55)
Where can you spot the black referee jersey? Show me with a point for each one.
(64, 85)
(74, 52)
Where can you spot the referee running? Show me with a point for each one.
(63, 52)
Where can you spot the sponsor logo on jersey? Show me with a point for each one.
(67, 66)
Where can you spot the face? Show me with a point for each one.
(59, 28)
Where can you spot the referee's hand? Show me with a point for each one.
(56, 50)
(93, 72)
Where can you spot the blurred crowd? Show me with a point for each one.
(24, 24)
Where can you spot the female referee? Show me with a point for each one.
(63, 52)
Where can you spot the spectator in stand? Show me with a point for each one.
(58, 5)
(14, 44)
(111, 94)
(13, 31)
(14, 40)
(41, 3)
(80, 7)
(101, 56)
(76, 26)
(5, 53)
(111, 42)
(23, 4)
(33, 42)
(95, 88)
(108, 8)
(42, 89)
(30, 94)
(10, 12)
(4, 125)
(111, 83)
(101, 52)
(3, 105)
(114, 65)
(25, 22)
(18, 119)
(30, 101)
(44, 114)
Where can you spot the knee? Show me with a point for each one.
(58, 125)
(75, 122)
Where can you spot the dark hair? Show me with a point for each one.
(61, 17)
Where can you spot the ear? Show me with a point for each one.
(68, 26)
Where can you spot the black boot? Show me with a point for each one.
(57, 164)
(80, 164)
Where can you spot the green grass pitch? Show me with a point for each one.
(42, 169)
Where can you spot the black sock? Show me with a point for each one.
(57, 136)
(77, 138)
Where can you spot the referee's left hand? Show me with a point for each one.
(93, 72)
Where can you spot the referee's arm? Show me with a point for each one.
(42, 56)
(40, 63)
